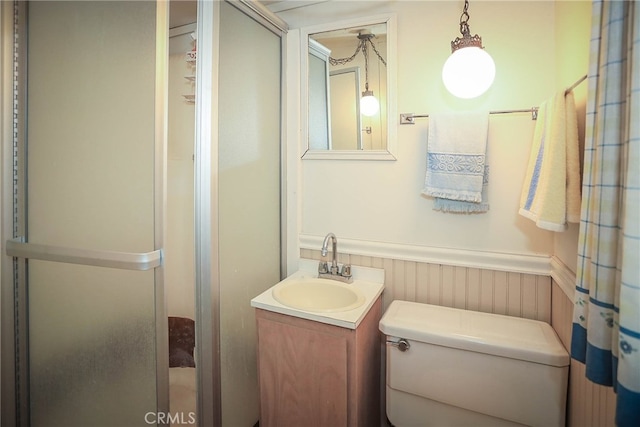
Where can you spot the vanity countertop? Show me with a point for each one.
(370, 281)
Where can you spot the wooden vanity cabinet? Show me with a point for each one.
(315, 374)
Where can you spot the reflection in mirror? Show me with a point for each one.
(344, 64)
(345, 125)
(320, 126)
(362, 48)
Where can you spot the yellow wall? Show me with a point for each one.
(572, 29)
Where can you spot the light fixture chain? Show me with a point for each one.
(342, 61)
(377, 53)
(464, 19)
(362, 46)
(467, 39)
(365, 52)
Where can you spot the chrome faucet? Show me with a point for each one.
(334, 272)
(334, 251)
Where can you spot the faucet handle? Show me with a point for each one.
(346, 270)
(323, 267)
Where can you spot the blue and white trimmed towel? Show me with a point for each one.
(456, 152)
(457, 206)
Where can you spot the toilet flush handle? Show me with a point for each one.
(402, 344)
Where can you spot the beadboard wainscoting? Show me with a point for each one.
(590, 405)
(534, 287)
(514, 285)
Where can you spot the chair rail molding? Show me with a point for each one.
(517, 263)
(563, 276)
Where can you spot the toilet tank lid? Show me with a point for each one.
(495, 334)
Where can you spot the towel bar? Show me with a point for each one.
(409, 118)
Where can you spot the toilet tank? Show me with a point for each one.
(472, 366)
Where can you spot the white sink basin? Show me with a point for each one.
(302, 294)
(318, 295)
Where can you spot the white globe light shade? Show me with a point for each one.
(468, 72)
(369, 105)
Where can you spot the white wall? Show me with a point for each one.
(180, 246)
(381, 201)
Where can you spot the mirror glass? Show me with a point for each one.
(340, 66)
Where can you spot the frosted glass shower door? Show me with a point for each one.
(93, 317)
(249, 198)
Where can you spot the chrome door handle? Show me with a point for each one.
(122, 260)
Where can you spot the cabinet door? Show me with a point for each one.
(303, 376)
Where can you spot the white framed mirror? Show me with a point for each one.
(339, 62)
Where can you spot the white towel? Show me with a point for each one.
(458, 206)
(456, 152)
(550, 192)
(574, 197)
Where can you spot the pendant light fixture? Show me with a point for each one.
(369, 104)
(470, 70)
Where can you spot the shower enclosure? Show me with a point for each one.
(84, 182)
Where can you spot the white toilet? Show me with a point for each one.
(451, 367)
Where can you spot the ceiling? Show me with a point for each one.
(282, 5)
(183, 12)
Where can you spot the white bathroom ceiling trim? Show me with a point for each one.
(517, 263)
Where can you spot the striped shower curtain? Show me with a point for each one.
(606, 319)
